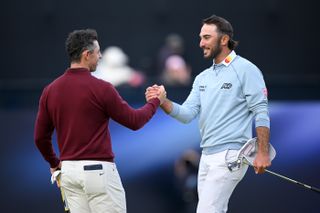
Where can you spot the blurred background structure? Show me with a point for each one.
(280, 37)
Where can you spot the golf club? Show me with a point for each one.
(247, 155)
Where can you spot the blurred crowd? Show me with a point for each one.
(171, 67)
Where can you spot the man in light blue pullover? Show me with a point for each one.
(226, 97)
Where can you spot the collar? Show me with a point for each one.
(229, 58)
(77, 70)
(227, 61)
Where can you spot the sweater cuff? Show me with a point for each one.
(175, 110)
(155, 102)
(54, 163)
(262, 119)
(263, 122)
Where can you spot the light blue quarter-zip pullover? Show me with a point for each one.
(227, 97)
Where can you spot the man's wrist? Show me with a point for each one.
(166, 106)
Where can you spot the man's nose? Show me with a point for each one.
(201, 44)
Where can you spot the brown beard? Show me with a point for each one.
(93, 68)
(216, 50)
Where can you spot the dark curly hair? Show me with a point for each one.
(224, 27)
(79, 41)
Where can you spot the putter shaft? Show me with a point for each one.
(294, 181)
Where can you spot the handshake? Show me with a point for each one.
(156, 92)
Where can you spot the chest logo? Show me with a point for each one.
(226, 86)
(202, 88)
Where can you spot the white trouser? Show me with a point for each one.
(216, 183)
(92, 189)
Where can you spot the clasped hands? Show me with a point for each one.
(156, 91)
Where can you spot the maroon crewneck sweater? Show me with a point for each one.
(79, 107)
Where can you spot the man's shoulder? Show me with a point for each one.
(91, 81)
(241, 61)
(242, 65)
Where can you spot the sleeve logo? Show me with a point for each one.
(265, 92)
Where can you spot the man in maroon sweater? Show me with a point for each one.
(78, 106)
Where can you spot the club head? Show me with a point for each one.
(249, 151)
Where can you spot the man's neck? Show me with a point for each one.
(78, 65)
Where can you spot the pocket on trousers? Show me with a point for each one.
(231, 155)
(94, 182)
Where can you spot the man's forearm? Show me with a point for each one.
(167, 106)
(263, 135)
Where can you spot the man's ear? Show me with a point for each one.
(224, 40)
(85, 54)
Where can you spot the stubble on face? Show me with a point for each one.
(96, 55)
(216, 49)
(210, 41)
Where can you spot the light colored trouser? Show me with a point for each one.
(216, 183)
(92, 191)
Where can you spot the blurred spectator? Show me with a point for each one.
(176, 72)
(114, 68)
(186, 170)
(172, 67)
